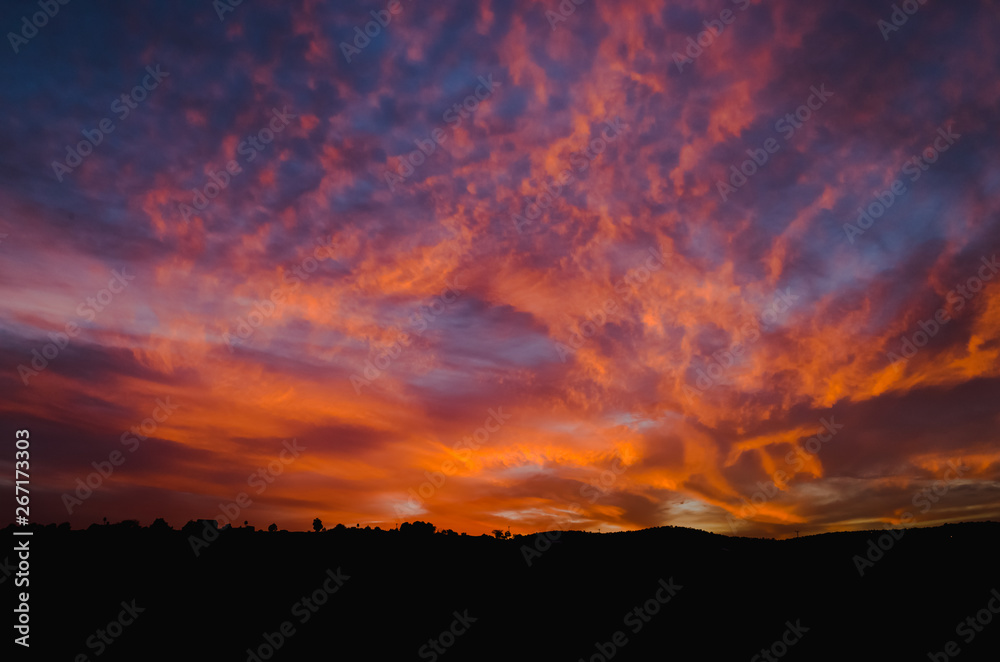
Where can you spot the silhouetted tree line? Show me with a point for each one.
(196, 527)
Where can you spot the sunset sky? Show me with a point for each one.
(499, 251)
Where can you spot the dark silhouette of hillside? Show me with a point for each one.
(406, 594)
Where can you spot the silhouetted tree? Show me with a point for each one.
(273, 527)
(340, 527)
(417, 528)
(317, 524)
(498, 534)
(160, 524)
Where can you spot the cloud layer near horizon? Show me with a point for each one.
(657, 321)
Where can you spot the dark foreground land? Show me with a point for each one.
(125, 593)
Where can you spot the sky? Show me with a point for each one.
(503, 263)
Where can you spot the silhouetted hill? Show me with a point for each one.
(389, 593)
